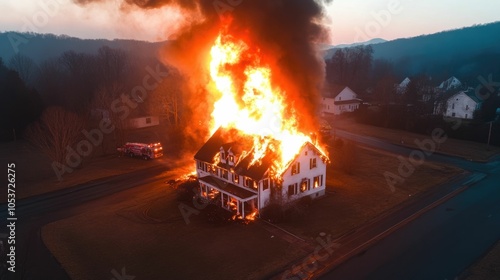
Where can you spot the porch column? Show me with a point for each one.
(243, 209)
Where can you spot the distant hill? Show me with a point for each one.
(40, 47)
(331, 49)
(464, 53)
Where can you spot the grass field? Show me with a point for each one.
(147, 235)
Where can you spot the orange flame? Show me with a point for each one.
(250, 103)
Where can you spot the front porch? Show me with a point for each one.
(228, 196)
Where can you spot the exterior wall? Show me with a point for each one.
(143, 122)
(460, 106)
(329, 107)
(263, 187)
(306, 173)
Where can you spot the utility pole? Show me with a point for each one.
(489, 136)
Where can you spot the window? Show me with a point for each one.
(466, 107)
(304, 185)
(317, 181)
(296, 168)
(148, 120)
(231, 159)
(236, 178)
(305, 153)
(224, 174)
(223, 156)
(312, 163)
(292, 189)
(466, 116)
(452, 114)
(201, 165)
(453, 106)
(249, 183)
(265, 184)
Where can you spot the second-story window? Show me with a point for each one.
(249, 183)
(265, 184)
(312, 163)
(296, 168)
(236, 178)
(224, 174)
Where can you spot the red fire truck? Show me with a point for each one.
(146, 151)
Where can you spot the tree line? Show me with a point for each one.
(51, 103)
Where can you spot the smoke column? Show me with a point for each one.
(284, 30)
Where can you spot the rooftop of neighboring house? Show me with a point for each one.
(332, 90)
(451, 83)
(470, 92)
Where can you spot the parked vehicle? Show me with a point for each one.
(145, 151)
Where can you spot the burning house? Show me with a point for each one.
(238, 175)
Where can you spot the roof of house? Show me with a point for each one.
(471, 93)
(405, 82)
(228, 138)
(450, 84)
(242, 146)
(333, 90)
(351, 101)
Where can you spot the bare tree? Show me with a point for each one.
(102, 103)
(166, 100)
(25, 67)
(55, 132)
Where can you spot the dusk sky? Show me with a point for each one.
(349, 20)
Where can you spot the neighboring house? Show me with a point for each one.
(142, 122)
(461, 105)
(229, 177)
(401, 87)
(451, 83)
(339, 99)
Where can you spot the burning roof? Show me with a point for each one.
(245, 163)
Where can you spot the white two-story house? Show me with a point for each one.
(462, 105)
(229, 177)
(339, 99)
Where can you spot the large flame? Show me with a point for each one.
(250, 103)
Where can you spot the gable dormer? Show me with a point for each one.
(222, 155)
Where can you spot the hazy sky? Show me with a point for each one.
(350, 20)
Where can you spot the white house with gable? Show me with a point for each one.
(339, 99)
(462, 105)
(229, 177)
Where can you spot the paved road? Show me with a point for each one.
(34, 260)
(442, 242)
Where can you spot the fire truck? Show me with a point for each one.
(145, 151)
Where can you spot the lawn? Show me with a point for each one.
(146, 234)
(355, 197)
